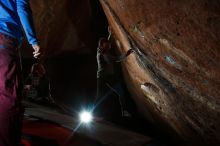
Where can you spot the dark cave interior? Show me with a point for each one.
(172, 81)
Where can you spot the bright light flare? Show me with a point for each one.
(86, 117)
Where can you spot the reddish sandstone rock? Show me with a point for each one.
(174, 76)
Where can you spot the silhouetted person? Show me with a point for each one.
(13, 15)
(108, 80)
(37, 85)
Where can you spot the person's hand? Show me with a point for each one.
(37, 51)
(129, 52)
(109, 32)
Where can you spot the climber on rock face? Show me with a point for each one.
(14, 14)
(108, 79)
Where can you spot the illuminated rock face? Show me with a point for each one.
(174, 76)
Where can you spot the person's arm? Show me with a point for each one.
(121, 57)
(110, 58)
(25, 15)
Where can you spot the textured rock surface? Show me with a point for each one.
(174, 76)
(65, 25)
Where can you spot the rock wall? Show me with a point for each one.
(65, 26)
(174, 74)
